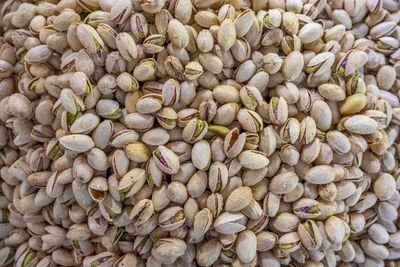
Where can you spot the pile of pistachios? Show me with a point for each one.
(199, 133)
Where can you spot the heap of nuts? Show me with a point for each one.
(199, 133)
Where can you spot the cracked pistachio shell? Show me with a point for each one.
(227, 241)
(154, 44)
(238, 199)
(310, 235)
(119, 163)
(257, 225)
(289, 242)
(89, 38)
(174, 68)
(278, 110)
(127, 82)
(80, 83)
(108, 109)
(207, 110)
(215, 203)
(142, 212)
(126, 46)
(351, 61)
(289, 91)
(123, 137)
(194, 130)
(271, 204)
(85, 124)
(250, 120)
(139, 25)
(272, 19)
(98, 188)
(166, 160)
(167, 117)
(230, 223)
(234, 143)
(193, 70)
(217, 177)
(240, 50)
(227, 11)
(250, 96)
(171, 92)
(28, 258)
(171, 218)
(243, 22)
(202, 223)
(305, 100)
(131, 182)
(154, 175)
(102, 259)
(120, 11)
(320, 63)
(108, 34)
(70, 101)
(306, 208)
(128, 259)
(290, 131)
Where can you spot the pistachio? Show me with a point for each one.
(166, 160)
(204, 132)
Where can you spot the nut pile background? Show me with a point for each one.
(198, 133)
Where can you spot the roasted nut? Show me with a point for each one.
(204, 132)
